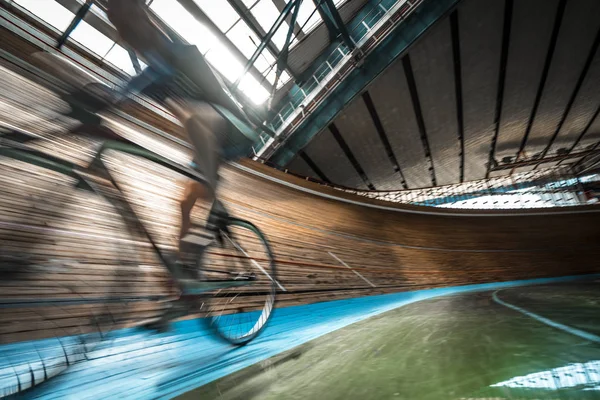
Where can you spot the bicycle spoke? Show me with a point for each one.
(254, 262)
(239, 313)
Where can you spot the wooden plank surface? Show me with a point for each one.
(80, 251)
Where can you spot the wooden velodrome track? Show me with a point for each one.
(329, 245)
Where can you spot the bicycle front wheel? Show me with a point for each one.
(241, 255)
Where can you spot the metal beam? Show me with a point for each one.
(590, 171)
(332, 13)
(586, 129)
(383, 136)
(590, 166)
(538, 161)
(416, 103)
(135, 61)
(507, 26)
(350, 156)
(458, 89)
(314, 166)
(283, 56)
(497, 191)
(333, 33)
(580, 80)
(397, 43)
(548, 61)
(267, 39)
(196, 12)
(246, 16)
(109, 31)
(280, 4)
(594, 147)
(83, 10)
(93, 19)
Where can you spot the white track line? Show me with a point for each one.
(256, 264)
(573, 331)
(347, 266)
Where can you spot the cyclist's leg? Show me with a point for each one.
(192, 192)
(204, 126)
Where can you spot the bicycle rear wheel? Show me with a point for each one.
(237, 314)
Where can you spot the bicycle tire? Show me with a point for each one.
(239, 314)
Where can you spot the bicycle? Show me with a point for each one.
(236, 294)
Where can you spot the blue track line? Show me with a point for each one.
(134, 364)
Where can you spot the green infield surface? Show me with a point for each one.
(534, 342)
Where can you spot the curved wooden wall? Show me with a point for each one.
(81, 251)
(82, 260)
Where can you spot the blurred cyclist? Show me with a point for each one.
(214, 124)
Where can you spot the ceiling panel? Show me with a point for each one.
(49, 11)
(577, 32)
(583, 110)
(494, 174)
(299, 166)
(392, 101)
(304, 53)
(532, 24)
(592, 136)
(309, 48)
(480, 31)
(328, 155)
(433, 67)
(357, 129)
(523, 169)
(266, 13)
(220, 12)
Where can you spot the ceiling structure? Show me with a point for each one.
(489, 89)
(227, 32)
(493, 88)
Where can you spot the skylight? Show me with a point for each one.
(250, 3)
(283, 79)
(265, 61)
(254, 90)
(119, 57)
(225, 62)
(244, 38)
(266, 14)
(100, 13)
(92, 39)
(220, 12)
(216, 49)
(48, 11)
(307, 16)
(174, 15)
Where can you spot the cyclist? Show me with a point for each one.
(214, 124)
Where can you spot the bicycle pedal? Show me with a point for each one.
(201, 239)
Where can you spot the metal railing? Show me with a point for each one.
(314, 89)
(556, 187)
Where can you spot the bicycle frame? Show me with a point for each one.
(88, 177)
